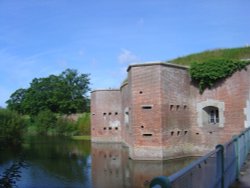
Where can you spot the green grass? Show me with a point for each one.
(230, 53)
(83, 137)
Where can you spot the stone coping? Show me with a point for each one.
(98, 90)
(168, 64)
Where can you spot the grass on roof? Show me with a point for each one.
(230, 53)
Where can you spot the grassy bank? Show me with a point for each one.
(83, 137)
(230, 53)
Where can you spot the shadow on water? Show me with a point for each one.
(61, 162)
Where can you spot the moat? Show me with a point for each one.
(62, 162)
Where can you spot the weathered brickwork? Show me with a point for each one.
(160, 114)
(106, 116)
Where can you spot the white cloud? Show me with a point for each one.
(126, 57)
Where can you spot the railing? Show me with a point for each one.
(218, 169)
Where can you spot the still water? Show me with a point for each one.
(65, 163)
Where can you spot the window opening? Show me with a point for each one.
(214, 116)
(177, 107)
(147, 134)
(146, 107)
(171, 107)
(211, 115)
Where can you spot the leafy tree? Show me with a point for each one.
(65, 93)
(16, 99)
(76, 87)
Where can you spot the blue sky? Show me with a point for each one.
(102, 37)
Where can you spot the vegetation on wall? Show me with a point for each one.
(207, 67)
(210, 71)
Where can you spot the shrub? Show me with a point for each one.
(11, 127)
(84, 124)
(66, 127)
(44, 121)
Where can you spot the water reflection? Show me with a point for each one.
(58, 156)
(61, 162)
(53, 162)
(111, 167)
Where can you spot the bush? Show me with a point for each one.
(49, 123)
(11, 127)
(44, 121)
(83, 124)
(66, 127)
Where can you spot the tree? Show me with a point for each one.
(65, 93)
(77, 87)
(16, 100)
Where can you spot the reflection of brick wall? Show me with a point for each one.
(158, 112)
(111, 167)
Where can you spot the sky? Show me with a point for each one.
(103, 37)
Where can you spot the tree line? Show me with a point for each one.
(42, 108)
(65, 93)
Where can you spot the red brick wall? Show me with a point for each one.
(146, 105)
(126, 108)
(106, 115)
(162, 105)
(234, 92)
(175, 109)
